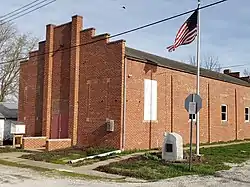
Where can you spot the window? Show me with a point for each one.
(247, 114)
(190, 117)
(150, 100)
(223, 112)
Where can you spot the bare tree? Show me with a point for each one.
(207, 62)
(246, 72)
(13, 48)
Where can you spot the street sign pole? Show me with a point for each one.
(193, 103)
(190, 147)
(192, 111)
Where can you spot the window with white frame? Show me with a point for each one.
(194, 117)
(247, 114)
(223, 112)
(150, 100)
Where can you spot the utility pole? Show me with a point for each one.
(198, 81)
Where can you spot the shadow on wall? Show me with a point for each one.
(100, 132)
(150, 66)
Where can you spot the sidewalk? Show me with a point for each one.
(85, 170)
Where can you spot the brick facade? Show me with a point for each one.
(82, 79)
(173, 88)
(34, 142)
(57, 144)
(28, 76)
(100, 90)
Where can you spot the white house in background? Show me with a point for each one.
(8, 115)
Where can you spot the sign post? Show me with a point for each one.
(193, 104)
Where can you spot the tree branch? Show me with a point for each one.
(13, 46)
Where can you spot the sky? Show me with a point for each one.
(224, 35)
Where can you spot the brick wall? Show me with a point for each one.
(62, 79)
(39, 89)
(242, 99)
(48, 85)
(27, 93)
(100, 89)
(31, 92)
(34, 142)
(60, 82)
(70, 94)
(55, 144)
(22, 92)
(173, 88)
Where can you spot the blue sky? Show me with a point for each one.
(225, 28)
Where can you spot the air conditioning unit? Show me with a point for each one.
(110, 124)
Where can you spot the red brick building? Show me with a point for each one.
(77, 81)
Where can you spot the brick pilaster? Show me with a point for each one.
(48, 80)
(74, 77)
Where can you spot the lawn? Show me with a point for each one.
(115, 155)
(150, 166)
(10, 149)
(63, 156)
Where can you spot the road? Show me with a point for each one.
(20, 177)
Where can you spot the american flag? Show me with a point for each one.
(187, 33)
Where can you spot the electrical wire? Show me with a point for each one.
(28, 12)
(18, 9)
(24, 10)
(124, 32)
(236, 65)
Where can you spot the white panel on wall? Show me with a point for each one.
(17, 129)
(150, 100)
(1, 131)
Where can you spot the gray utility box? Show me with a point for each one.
(110, 125)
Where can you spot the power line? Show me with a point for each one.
(237, 65)
(122, 33)
(166, 19)
(24, 9)
(28, 12)
(19, 9)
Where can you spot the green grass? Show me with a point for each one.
(150, 166)
(63, 156)
(91, 161)
(10, 149)
(237, 153)
(113, 155)
(128, 152)
(219, 142)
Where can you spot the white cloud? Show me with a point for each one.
(225, 28)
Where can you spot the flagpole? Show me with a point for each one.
(198, 81)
